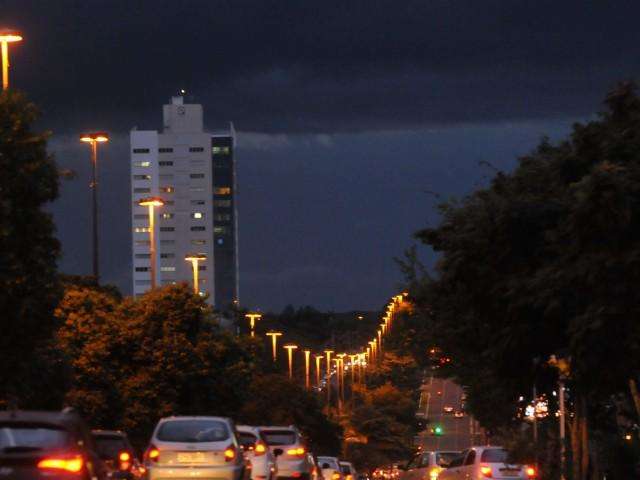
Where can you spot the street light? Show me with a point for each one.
(274, 340)
(195, 259)
(328, 354)
(318, 360)
(290, 349)
(307, 355)
(94, 139)
(380, 339)
(252, 317)
(151, 203)
(7, 37)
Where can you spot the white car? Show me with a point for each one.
(289, 448)
(330, 467)
(427, 465)
(256, 450)
(348, 470)
(194, 447)
(481, 463)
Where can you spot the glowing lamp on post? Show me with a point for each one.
(195, 259)
(7, 37)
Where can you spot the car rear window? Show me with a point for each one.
(36, 437)
(494, 455)
(345, 468)
(110, 446)
(443, 459)
(247, 439)
(279, 437)
(331, 461)
(193, 431)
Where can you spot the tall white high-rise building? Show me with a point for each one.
(194, 173)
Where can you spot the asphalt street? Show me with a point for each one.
(458, 433)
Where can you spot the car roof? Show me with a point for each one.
(60, 418)
(194, 417)
(110, 433)
(247, 428)
(276, 427)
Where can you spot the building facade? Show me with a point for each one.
(193, 172)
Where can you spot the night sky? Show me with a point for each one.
(353, 116)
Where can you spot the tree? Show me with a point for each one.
(274, 400)
(546, 261)
(28, 248)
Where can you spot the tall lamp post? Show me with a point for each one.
(290, 349)
(7, 37)
(152, 203)
(93, 139)
(318, 360)
(252, 317)
(274, 343)
(328, 354)
(307, 381)
(195, 259)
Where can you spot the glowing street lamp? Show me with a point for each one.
(7, 37)
(380, 339)
(328, 354)
(274, 340)
(353, 359)
(252, 317)
(290, 349)
(151, 203)
(94, 139)
(307, 355)
(195, 259)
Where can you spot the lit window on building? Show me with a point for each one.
(165, 163)
(196, 175)
(217, 150)
(198, 242)
(141, 229)
(142, 164)
(197, 215)
(167, 229)
(142, 269)
(222, 203)
(141, 190)
(198, 229)
(166, 216)
(167, 269)
(140, 150)
(221, 230)
(165, 150)
(222, 191)
(142, 177)
(167, 189)
(196, 149)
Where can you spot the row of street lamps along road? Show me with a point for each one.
(357, 361)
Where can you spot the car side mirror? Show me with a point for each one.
(278, 451)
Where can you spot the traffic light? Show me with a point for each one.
(437, 430)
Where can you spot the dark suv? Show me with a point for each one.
(118, 455)
(47, 445)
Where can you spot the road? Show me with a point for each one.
(457, 433)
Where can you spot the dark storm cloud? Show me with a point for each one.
(277, 65)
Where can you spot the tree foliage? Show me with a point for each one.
(28, 248)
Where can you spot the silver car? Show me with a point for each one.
(330, 467)
(194, 447)
(479, 463)
(263, 462)
(287, 444)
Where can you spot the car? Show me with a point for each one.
(459, 414)
(47, 445)
(427, 465)
(194, 447)
(116, 452)
(330, 467)
(479, 463)
(348, 470)
(256, 449)
(447, 409)
(316, 473)
(290, 450)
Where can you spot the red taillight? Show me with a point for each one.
(260, 449)
(125, 460)
(486, 471)
(230, 454)
(335, 476)
(531, 472)
(152, 454)
(72, 464)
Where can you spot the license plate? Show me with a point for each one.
(510, 473)
(191, 457)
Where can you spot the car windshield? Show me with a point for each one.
(109, 447)
(193, 431)
(494, 455)
(279, 437)
(33, 437)
(443, 459)
(246, 439)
